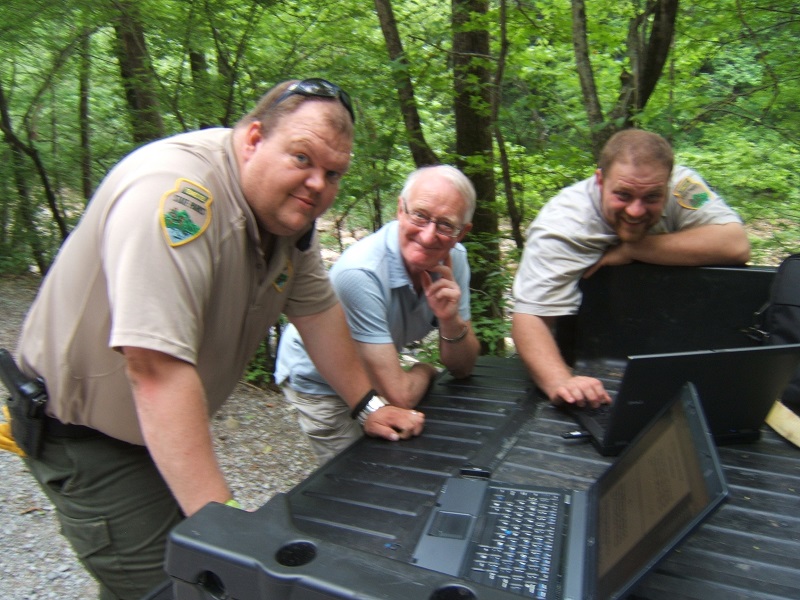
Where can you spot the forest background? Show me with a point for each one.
(519, 94)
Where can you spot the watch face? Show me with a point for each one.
(374, 404)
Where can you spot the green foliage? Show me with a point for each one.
(729, 100)
(425, 350)
(490, 302)
(259, 370)
(755, 170)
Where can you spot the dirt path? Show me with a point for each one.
(260, 448)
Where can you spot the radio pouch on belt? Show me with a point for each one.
(25, 405)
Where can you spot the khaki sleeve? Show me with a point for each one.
(312, 291)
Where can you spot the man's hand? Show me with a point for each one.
(443, 294)
(581, 391)
(393, 423)
(614, 256)
(704, 245)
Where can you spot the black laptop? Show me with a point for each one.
(737, 387)
(588, 544)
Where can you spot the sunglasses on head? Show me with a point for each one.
(319, 88)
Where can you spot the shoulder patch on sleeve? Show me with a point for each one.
(691, 193)
(185, 212)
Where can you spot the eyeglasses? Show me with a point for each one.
(319, 88)
(419, 219)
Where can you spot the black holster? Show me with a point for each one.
(25, 404)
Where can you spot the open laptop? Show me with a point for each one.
(589, 544)
(737, 388)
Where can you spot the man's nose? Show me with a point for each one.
(316, 180)
(429, 231)
(636, 209)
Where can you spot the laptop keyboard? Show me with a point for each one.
(517, 548)
(609, 375)
(601, 414)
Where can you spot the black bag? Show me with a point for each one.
(779, 319)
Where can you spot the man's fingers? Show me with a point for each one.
(426, 280)
(592, 270)
(581, 391)
(395, 424)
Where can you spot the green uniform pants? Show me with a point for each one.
(114, 508)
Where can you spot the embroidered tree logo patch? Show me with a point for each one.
(185, 212)
(180, 224)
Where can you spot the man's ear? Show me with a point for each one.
(252, 137)
(400, 210)
(464, 231)
(598, 176)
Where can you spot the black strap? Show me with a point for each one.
(362, 405)
(56, 428)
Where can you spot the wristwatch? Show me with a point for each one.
(368, 405)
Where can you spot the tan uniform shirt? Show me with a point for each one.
(570, 234)
(168, 257)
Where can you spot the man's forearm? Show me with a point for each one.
(170, 404)
(705, 245)
(537, 347)
(327, 339)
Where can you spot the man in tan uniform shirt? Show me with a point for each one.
(190, 249)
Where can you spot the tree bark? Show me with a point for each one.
(657, 50)
(638, 80)
(137, 75)
(83, 116)
(421, 152)
(25, 210)
(583, 63)
(473, 115)
(514, 215)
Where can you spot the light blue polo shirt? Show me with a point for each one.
(379, 301)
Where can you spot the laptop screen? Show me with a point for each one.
(651, 498)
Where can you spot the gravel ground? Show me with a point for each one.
(259, 445)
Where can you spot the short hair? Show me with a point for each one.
(269, 112)
(636, 147)
(460, 181)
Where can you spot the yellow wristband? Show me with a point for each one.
(232, 502)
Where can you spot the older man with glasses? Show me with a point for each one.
(395, 286)
(189, 251)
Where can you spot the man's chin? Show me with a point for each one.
(288, 228)
(629, 235)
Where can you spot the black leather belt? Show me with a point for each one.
(56, 428)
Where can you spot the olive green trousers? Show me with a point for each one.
(114, 508)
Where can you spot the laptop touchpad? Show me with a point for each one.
(450, 525)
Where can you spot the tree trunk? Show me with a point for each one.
(25, 211)
(137, 75)
(514, 215)
(583, 63)
(83, 116)
(638, 78)
(201, 88)
(657, 50)
(473, 116)
(420, 151)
